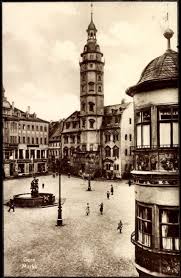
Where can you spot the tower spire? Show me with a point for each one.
(168, 32)
(91, 11)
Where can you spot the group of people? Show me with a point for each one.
(101, 207)
(88, 209)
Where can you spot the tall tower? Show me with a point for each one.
(91, 92)
(156, 167)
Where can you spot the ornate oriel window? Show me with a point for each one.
(169, 229)
(143, 121)
(168, 126)
(115, 151)
(107, 151)
(144, 224)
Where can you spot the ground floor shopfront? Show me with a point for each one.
(24, 167)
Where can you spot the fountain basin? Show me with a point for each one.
(26, 200)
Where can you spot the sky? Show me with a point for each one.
(42, 43)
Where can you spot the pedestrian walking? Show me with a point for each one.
(87, 209)
(68, 175)
(108, 194)
(101, 208)
(11, 205)
(120, 225)
(129, 182)
(112, 190)
(43, 185)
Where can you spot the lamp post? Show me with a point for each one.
(59, 219)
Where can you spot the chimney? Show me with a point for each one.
(13, 105)
(28, 109)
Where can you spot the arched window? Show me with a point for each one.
(107, 137)
(91, 106)
(107, 151)
(91, 122)
(99, 78)
(115, 137)
(115, 151)
(72, 149)
(99, 89)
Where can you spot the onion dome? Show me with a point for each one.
(159, 73)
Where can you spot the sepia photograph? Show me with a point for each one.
(90, 144)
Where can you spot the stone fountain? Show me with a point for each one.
(34, 199)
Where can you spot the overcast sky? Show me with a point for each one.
(42, 43)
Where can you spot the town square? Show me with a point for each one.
(90, 145)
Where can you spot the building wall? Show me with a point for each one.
(127, 128)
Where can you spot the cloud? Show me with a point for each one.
(64, 51)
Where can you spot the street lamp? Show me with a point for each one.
(60, 220)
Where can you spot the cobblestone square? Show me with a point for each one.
(85, 245)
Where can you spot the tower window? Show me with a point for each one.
(83, 123)
(91, 86)
(91, 57)
(126, 136)
(130, 121)
(91, 106)
(130, 137)
(126, 152)
(91, 65)
(99, 89)
(91, 121)
(83, 106)
(99, 78)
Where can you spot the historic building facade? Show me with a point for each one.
(55, 144)
(25, 142)
(156, 173)
(92, 138)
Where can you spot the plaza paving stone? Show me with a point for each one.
(85, 245)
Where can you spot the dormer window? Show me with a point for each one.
(91, 106)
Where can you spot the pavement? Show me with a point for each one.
(85, 246)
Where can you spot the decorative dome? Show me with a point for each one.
(6, 103)
(159, 73)
(91, 26)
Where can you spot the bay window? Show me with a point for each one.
(169, 229)
(143, 121)
(144, 224)
(168, 126)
